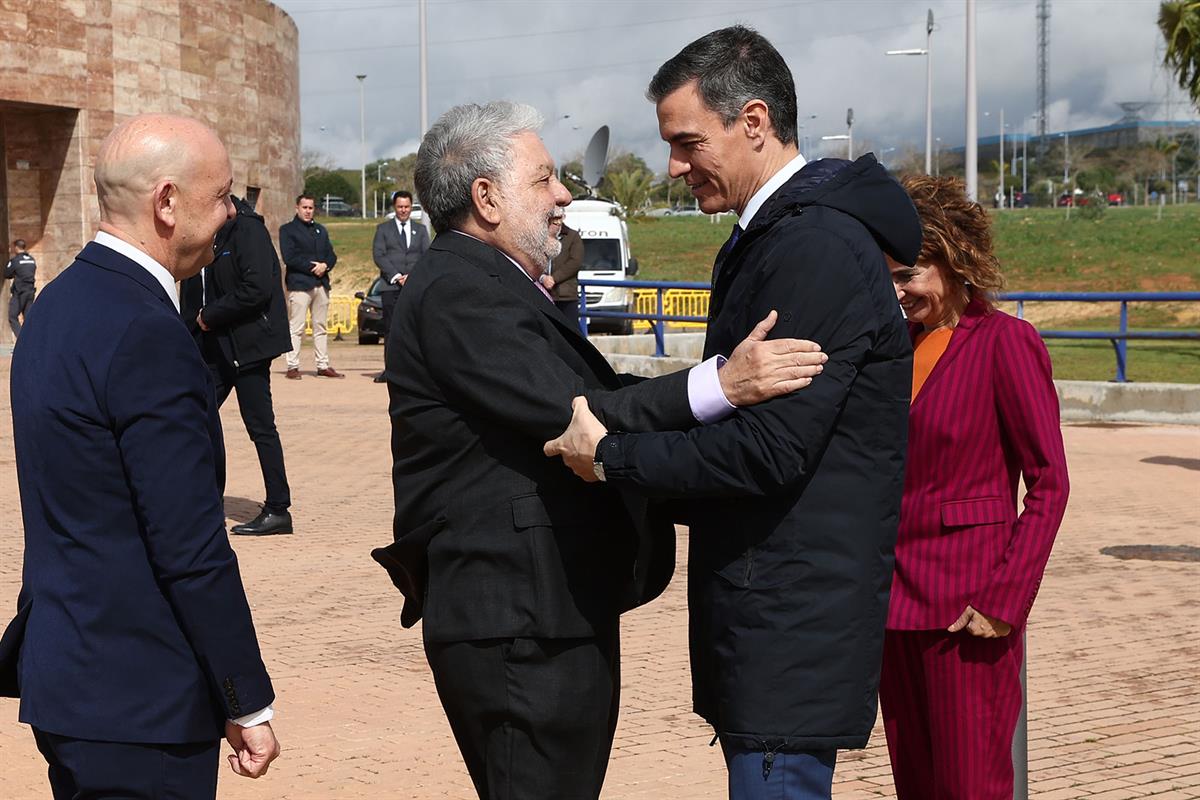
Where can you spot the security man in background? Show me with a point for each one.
(20, 269)
(236, 311)
(398, 246)
(564, 272)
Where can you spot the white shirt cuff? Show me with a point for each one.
(257, 718)
(705, 396)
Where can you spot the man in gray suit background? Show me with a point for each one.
(398, 245)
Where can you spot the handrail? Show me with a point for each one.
(1119, 338)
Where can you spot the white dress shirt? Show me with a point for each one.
(769, 188)
(405, 232)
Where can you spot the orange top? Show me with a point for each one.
(927, 349)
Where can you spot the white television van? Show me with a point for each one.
(605, 257)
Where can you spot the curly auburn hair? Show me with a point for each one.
(956, 233)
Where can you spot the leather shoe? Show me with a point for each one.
(380, 379)
(329, 372)
(293, 374)
(265, 524)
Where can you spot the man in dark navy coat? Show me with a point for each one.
(793, 504)
(133, 650)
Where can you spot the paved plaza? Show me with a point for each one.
(1114, 655)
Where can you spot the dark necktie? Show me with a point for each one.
(726, 249)
(404, 234)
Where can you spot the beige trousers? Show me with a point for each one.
(299, 305)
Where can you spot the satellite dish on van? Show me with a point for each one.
(595, 158)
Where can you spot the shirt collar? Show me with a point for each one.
(143, 260)
(769, 188)
(498, 250)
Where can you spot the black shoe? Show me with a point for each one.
(265, 524)
(380, 379)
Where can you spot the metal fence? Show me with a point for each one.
(660, 303)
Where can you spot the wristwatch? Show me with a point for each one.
(598, 462)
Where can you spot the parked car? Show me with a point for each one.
(370, 314)
(1116, 199)
(334, 207)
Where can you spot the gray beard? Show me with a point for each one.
(535, 242)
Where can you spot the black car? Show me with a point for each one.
(370, 314)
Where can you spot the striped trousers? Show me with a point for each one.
(950, 704)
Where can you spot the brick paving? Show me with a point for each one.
(1115, 686)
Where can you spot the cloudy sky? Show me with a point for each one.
(584, 64)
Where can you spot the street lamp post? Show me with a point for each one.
(362, 129)
(849, 134)
(972, 148)
(424, 71)
(927, 52)
(804, 142)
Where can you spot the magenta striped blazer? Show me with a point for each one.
(986, 417)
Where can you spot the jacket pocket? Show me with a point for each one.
(528, 511)
(976, 511)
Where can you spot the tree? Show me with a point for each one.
(1179, 22)
(324, 182)
(315, 161)
(630, 188)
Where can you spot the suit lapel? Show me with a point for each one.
(514, 279)
(972, 316)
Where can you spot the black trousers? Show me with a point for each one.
(85, 770)
(388, 302)
(18, 305)
(533, 718)
(253, 385)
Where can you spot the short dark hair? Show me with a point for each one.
(731, 67)
(305, 196)
(19, 244)
(402, 193)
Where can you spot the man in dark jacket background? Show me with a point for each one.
(308, 255)
(21, 269)
(793, 504)
(235, 310)
(564, 274)
(398, 245)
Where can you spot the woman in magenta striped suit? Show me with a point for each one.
(984, 416)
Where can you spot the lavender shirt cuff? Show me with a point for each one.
(258, 718)
(707, 400)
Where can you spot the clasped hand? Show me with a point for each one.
(979, 624)
(757, 370)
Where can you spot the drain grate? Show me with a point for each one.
(1153, 552)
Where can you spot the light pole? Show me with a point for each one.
(849, 134)
(916, 51)
(1001, 190)
(362, 129)
(424, 71)
(804, 141)
(972, 145)
(938, 168)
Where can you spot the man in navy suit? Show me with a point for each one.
(133, 649)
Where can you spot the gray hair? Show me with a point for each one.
(467, 142)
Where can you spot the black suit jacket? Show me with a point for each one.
(246, 313)
(481, 369)
(392, 256)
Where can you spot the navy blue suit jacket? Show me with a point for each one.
(135, 622)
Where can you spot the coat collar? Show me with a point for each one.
(500, 267)
(974, 314)
(108, 259)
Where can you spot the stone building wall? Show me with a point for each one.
(70, 70)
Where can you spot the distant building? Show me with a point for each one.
(73, 69)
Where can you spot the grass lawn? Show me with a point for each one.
(1127, 249)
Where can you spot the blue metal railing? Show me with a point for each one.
(1119, 338)
(656, 319)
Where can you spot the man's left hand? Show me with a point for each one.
(319, 268)
(200, 320)
(979, 624)
(577, 444)
(547, 281)
(760, 368)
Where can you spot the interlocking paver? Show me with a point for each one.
(1114, 695)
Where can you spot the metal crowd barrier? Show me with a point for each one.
(686, 304)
